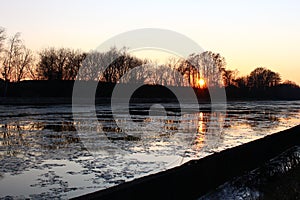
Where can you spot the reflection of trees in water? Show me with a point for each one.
(20, 135)
(209, 133)
(140, 116)
(256, 117)
(144, 130)
(60, 126)
(190, 131)
(14, 138)
(62, 134)
(113, 132)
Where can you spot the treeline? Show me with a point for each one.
(199, 70)
(19, 63)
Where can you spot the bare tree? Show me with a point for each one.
(17, 60)
(208, 66)
(23, 65)
(229, 76)
(120, 65)
(2, 41)
(241, 82)
(187, 69)
(291, 84)
(91, 66)
(2, 38)
(263, 78)
(176, 64)
(59, 64)
(95, 63)
(47, 64)
(11, 56)
(75, 59)
(213, 64)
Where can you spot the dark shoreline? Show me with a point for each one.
(42, 101)
(198, 177)
(62, 91)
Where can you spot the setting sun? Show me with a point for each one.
(201, 82)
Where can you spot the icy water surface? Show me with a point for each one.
(42, 155)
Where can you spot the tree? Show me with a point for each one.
(11, 56)
(241, 82)
(17, 60)
(121, 64)
(59, 64)
(2, 41)
(263, 78)
(291, 84)
(97, 66)
(2, 38)
(47, 64)
(176, 65)
(91, 66)
(214, 65)
(229, 76)
(208, 66)
(71, 68)
(23, 64)
(186, 70)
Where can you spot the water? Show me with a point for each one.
(42, 155)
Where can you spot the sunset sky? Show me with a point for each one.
(248, 34)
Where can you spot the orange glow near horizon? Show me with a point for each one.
(201, 82)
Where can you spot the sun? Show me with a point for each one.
(201, 82)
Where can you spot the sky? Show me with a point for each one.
(248, 34)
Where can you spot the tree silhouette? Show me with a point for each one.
(91, 66)
(2, 39)
(23, 66)
(208, 66)
(17, 60)
(263, 78)
(241, 82)
(109, 66)
(229, 76)
(175, 64)
(59, 64)
(10, 56)
(121, 65)
(290, 84)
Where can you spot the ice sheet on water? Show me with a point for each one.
(41, 142)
